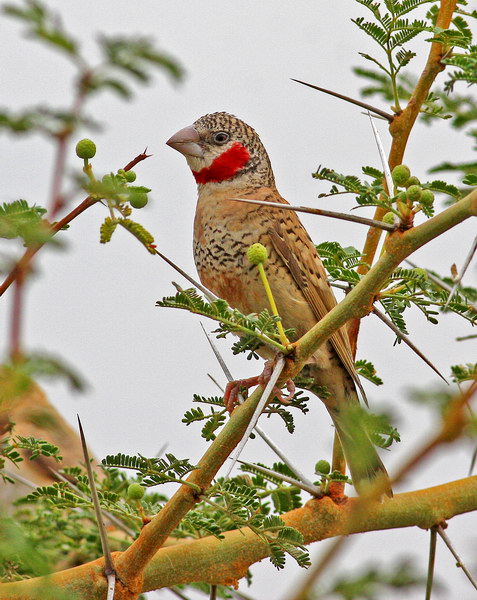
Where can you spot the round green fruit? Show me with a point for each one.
(389, 218)
(412, 181)
(138, 200)
(401, 174)
(257, 253)
(136, 491)
(414, 193)
(130, 176)
(322, 466)
(85, 149)
(427, 198)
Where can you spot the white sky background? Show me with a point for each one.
(94, 304)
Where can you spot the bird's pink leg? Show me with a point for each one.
(233, 387)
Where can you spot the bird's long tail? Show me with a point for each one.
(361, 455)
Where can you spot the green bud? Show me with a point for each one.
(138, 199)
(85, 149)
(389, 218)
(257, 253)
(130, 176)
(427, 198)
(401, 174)
(414, 193)
(322, 466)
(402, 197)
(412, 181)
(136, 491)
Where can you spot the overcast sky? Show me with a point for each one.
(94, 304)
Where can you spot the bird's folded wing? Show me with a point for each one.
(310, 276)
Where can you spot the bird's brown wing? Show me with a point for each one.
(288, 235)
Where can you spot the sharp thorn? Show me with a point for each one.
(407, 341)
(108, 559)
(377, 111)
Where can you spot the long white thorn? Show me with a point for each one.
(270, 443)
(382, 155)
(267, 392)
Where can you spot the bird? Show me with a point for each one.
(228, 160)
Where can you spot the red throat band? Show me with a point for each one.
(224, 166)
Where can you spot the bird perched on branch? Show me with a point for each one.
(228, 160)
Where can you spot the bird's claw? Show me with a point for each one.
(233, 388)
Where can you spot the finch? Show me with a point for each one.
(228, 160)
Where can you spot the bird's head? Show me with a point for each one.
(222, 149)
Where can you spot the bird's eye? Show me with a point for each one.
(221, 137)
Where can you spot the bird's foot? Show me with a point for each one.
(233, 388)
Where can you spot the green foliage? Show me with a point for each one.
(341, 263)
(153, 471)
(10, 444)
(391, 31)
(241, 506)
(461, 373)
(261, 328)
(213, 420)
(19, 220)
(367, 370)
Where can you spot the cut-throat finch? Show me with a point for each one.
(228, 160)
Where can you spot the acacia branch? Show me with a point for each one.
(400, 130)
(225, 561)
(23, 264)
(359, 301)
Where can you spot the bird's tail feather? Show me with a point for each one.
(361, 455)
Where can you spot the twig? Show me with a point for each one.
(460, 564)
(270, 443)
(406, 340)
(278, 368)
(464, 268)
(178, 593)
(322, 213)
(368, 107)
(210, 296)
(314, 490)
(137, 160)
(432, 561)
(109, 570)
(24, 262)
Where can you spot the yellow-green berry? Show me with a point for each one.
(322, 466)
(427, 198)
(136, 491)
(257, 253)
(85, 149)
(414, 193)
(389, 218)
(401, 174)
(412, 181)
(138, 199)
(130, 176)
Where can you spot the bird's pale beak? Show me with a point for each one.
(186, 141)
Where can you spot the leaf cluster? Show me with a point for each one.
(153, 471)
(10, 444)
(241, 505)
(261, 328)
(19, 220)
